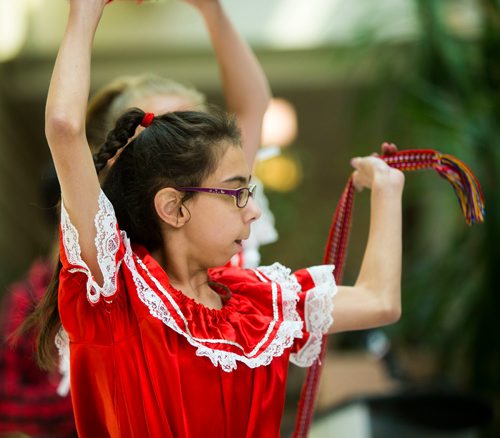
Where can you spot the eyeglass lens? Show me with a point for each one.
(242, 197)
(244, 194)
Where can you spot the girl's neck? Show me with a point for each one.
(192, 281)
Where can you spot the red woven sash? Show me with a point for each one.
(471, 202)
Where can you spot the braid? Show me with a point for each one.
(117, 138)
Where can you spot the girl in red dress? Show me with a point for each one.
(161, 342)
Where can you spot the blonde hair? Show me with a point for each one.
(112, 100)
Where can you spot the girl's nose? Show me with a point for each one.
(252, 210)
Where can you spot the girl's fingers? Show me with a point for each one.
(362, 174)
(356, 181)
(365, 170)
(369, 162)
(389, 148)
(369, 169)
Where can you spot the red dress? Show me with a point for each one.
(148, 361)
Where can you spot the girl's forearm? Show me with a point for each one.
(380, 272)
(65, 125)
(70, 82)
(244, 81)
(245, 85)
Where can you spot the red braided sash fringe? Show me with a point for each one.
(471, 201)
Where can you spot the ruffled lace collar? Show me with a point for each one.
(255, 325)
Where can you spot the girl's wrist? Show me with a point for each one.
(391, 181)
(86, 12)
(210, 10)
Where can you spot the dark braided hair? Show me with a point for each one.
(116, 139)
(178, 149)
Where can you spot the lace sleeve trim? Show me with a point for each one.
(290, 288)
(107, 241)
(318, 314)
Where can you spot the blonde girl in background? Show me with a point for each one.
(246, 92)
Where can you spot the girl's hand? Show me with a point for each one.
(91, 3)
(374, 172)
(202, 4)
(95, 7)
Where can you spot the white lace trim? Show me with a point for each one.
(290, 289)
(287, 332)
(318, 314)
(62, 344)
(107, 243)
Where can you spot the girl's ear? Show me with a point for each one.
(169, 207)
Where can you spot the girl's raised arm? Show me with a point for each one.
(245, 86)
(65, 124)
(375, 299)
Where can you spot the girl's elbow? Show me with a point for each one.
(391, 313)
(60, 128)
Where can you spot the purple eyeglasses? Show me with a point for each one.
(240, 195)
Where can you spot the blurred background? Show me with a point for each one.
(419, 73)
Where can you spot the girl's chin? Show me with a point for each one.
(217, 260)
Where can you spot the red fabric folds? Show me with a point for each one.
(146, 360)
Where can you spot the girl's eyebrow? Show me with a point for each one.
(238, 178)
